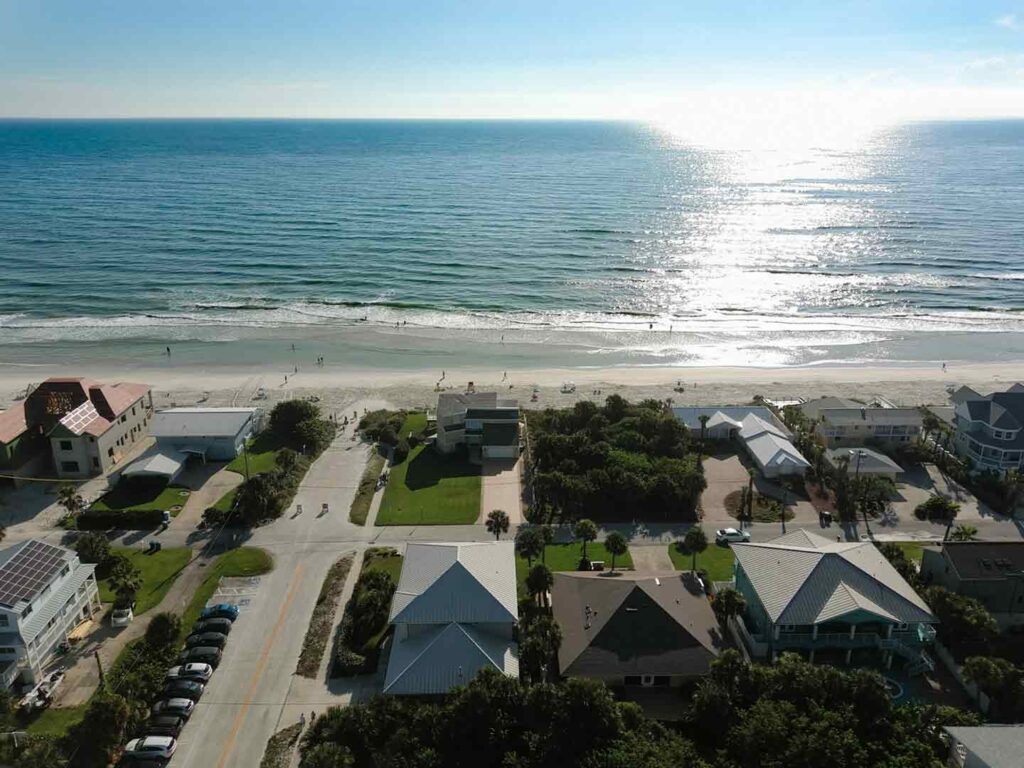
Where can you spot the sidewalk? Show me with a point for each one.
(83, 677)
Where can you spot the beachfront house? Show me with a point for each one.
(985, 746)
(82, 426)
(486, 425)
(45, 593)
(454, 613)
(990, 428)
(992, 572)
(864, 461)
(215, 434)
(634, 629)
(759, 431)
(829, 600)
(844, 423)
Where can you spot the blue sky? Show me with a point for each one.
(650, 60)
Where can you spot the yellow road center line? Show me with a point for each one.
(229, 745)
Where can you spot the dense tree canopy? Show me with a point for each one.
(616, 462)
(791, 715)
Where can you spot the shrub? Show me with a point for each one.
(937, 508)
(313, 436)
(347, 662)
(163, 630)
(214, 517)
(373, 423)
(387, 436)
(401, 451)
(287, 415)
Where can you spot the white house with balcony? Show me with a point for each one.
(45, 592)
(487, 425)
(843, 425)
(990, 428)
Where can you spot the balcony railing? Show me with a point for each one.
(859, 640)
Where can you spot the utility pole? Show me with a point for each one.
(856, 485)
(245, 455)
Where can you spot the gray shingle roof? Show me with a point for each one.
(805, 579)
(638, 624)
(871, 462)
(201, 422)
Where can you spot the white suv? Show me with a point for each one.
(726, 535)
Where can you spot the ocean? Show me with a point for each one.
(409, 244)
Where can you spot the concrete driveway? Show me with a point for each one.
(500, 488)
(920, 482)
(724, 474)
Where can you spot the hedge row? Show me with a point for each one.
(128, 520)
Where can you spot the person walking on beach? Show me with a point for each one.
(168, 351)
(312, 717)
(302, 720)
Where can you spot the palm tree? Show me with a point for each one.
(703, 418)
(694, 542)
(585, 531)
(538, 582)
(547, 535)
(69, 498)
(125, 580)
(529, 544)
(964, 533)
(727, 603)
(497, 522)
(615, 543)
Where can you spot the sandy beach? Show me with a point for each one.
(338, 387)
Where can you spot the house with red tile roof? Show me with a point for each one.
(88, 426)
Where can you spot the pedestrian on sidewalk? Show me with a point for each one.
(312, 717)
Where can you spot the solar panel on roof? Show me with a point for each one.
(29, 571)
(81, 417)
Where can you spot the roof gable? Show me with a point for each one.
(441, 658)
(813, 584)
(469, 582)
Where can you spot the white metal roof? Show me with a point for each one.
(473, 582)
(438, 659)
(157, 464)
(802, 578)
(770, 450)
(201, 422)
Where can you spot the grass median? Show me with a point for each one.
(244, 561)
(322, 620)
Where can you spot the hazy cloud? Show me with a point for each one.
(1009, 21)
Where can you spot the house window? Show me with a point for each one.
(95, 463)
(69, 466)
(27, 611)
(4, 620)
(901, 627)
(8, 651)
(110, 451)
(124, 418)
(631, 680)
(65, 445)
(787, 628)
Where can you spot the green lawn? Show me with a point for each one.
(132, 495)
(56, 722)
(430, 488)
(716, 560)
(244, 561)
(915, 551)
(225, 502)
(415, 422)
(159, 570)
(360, 508)
(262, 455)
(566, 557)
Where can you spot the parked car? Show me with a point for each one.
(201, 654)
(174, 705)
(151, 746)
(195, 671)
(220, 611)
(121, 617)
(185, 689)
(726, 535)
(210, 639)
(164, 725)
(212, 625)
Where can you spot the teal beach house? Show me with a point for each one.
(838, 602)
